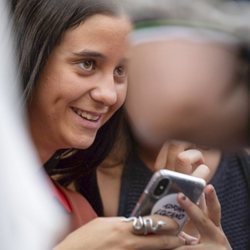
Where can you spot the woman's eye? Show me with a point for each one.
(88, 65)
(120, 72)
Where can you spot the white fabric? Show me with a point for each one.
(30, 218)
(164, 33)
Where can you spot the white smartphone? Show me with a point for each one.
(160, 195)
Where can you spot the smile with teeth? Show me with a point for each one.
(86, 115)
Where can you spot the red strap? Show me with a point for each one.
(61, 197)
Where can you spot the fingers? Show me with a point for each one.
(203, 224)
(173, 156)
(165, 238)
(187, 161)
(143, 225)
(211, 234)
(202, 171)
(213, 205)
(174, 149)
(191, 247)
(155, 242)
(170, 227)
(189, 240)
(116, 233)
(202, 204)
(160, 162)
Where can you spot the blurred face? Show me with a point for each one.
(186, 90)
(83, 83)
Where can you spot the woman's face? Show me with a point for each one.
(186, 90)
(83, 83)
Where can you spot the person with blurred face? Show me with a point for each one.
(200, 49)
(189, 80)
(204, 82)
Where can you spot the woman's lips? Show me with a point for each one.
(89, 116)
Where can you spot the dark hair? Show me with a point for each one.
(39, 25)
(84, 162)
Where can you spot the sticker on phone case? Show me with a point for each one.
(168, 206)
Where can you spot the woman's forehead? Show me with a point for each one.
(97, 28)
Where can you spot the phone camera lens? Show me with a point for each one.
(161, 187)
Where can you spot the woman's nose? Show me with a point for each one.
(105, 92)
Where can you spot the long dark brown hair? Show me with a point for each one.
(39, 25)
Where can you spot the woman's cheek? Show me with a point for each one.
(121, 95)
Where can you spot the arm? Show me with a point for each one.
(112, 234)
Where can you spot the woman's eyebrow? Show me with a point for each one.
(90, 53)
(124, 61)
(96, 55)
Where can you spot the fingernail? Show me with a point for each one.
(189, 240)
(194, 242)
(183, 240)
(211, 189)
(182, 196)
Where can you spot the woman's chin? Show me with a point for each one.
(83, 143)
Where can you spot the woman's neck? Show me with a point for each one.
(44, 144)
(44, 149)
(44, 154)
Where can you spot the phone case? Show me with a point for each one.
(159, 196)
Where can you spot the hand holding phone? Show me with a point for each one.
(160, 195)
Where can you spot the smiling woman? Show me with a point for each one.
(72, 58)
(81, 86)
